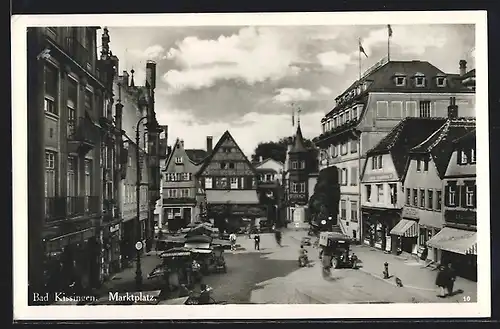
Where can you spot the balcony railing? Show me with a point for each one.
(78, 52)
(82, 134)
(59, 208)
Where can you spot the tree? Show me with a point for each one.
(324, 202)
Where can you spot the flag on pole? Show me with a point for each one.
(361, 49)
(389, 30)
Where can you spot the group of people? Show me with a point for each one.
(445, 280)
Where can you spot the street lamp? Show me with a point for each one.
(138, 246)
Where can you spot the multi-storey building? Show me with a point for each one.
(164, 153)
(298, 168)
(270, 188)
(457, 240)
(230, 183)
(180, 188)
(382, 186)
(69, 149)
(366, 111)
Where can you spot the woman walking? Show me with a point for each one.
(442, 281)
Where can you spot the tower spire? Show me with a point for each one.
(132, 83)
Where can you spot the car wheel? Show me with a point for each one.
(335, 263)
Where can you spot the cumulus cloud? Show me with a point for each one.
(269, 127)
(335, 61)
(286, 95)
(324, 90)
(253, 55)
(154, 52)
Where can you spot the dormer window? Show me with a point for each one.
(441, 81)
(178, 160)
(400, 81)
(419, 80)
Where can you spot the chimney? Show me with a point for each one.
(261, 159)
(209, 143)
(452, 109)
(151, 74)
(182, 143)
(125, 79)
(463, 67)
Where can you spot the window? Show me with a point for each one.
(463, 159)
(470, 195)
(178, 160)
(422, 197)
(408, 197)
(368, 193)
(242, 183)
(88, 177)
(208, 183)
(420, 81)
(452, 194)
(425, 109)
(400, 81)
(344, 176)
(343, 210)
(354, 211)
(354, 146)
(396, 110)
(51, 87)
(382, 109)
(354, 176)
(380, 193)
(415, 197)
(426, 165)
(473, 155)
(234, 183)
(223, 165)
(294, 164)
(441, 81)
(430, 199)
(411, 109)
(221, 183)
(438, 200)
(89, 104)
(302, 164)
(377, 162)
(71, 121)
(323, 127)
(302, 187)
(231, 165)
(294, 187)
(343, 148)
(184, 193)
(170, 213)
(72, 181)
(394, 194)
(172, 193)
(50, 173)
(419, 165)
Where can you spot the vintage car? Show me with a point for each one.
(337, 246)
(306, 241)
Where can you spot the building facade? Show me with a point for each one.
(457, 240)
(424, 194)
(180, 188)
(366, 111)
(229, 182)
(270, 188)
(69, 150)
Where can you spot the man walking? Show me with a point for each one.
(232, 239)
(442, 281)
(256, 239)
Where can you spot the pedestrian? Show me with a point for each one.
(232, 238)
(451, 276)
(256, 239)
(442, 281)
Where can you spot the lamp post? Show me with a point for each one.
(138, 247)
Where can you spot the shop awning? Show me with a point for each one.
(406, 228)
(455, 240)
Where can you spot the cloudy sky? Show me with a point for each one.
(245, 78)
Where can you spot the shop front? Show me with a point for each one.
(72, 259)
(377, 225)
(128, 239)
(459, 247)
(111, 249)
(405, 233)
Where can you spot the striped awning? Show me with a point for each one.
(406, 228)
(455, 240)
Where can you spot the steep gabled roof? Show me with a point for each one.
(440, 143)
(405, 135)
(258, 164)
(187, 152)
(210, 156)
(298, 142)
(196, 155)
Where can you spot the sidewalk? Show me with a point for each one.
(417, 279)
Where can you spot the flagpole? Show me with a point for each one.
(359, 57)
(388, 47)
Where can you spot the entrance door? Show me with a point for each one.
(186, 215)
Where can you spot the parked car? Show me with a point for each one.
(306, 241)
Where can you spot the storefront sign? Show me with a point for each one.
(114, 228)
(381, 177)
(409, 212)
